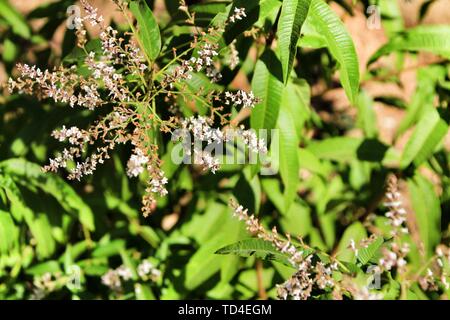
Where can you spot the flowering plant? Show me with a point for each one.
(223, 149)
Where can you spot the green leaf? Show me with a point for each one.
(297, 220)
(424, 96)
(429, 132)
(204, 264)
(255, 247)
(366, 254)
(8, 232)
(42, 232)
(293, 15)
(143, 292)
(288, 154)
(15, 19)
(268, 86)
(31, 173)
(51, 266)
(109, 248)
(340, 44)
(344, 149)
(149, 35)
(427, 209)
(355, 232)
(10, 50)
(366, 115)
(430, 38)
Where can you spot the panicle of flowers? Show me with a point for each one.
(204, 61)
(396, 213)
(136, 163)
(251, 140)
(92, 15)
(238, 14)
(308, 275)
(206, 160)
(74, 135)
(201, 130)
(300, 285)
(110, 130)
(395, 253)
(394, 256)
(157, 183)
(241, 98)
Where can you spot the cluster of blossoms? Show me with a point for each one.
(203, 62)
(201, 130)
(146, 270)
(394, 254)
(396, 213)
(113, 278)
(309, 274)
(238, 14)
(122, 77)
(43, 285)
(241, 98)
(136, 163)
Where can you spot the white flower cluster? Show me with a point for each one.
(113, 278)
(92, 16)
(251, 140)
(204, 61)
(201, 129)
(73, 134)
(396, 213)
(206, 160)
(394, 257)
(146, 270)
(238, 14)
(135, 165)
(247, 100)
(111, 79)
(57, 85)
(158, 182)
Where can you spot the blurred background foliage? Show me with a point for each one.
(399, 123)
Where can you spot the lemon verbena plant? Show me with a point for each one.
(270, 149)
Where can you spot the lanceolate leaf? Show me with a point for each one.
(268, 86)
(368, 253)
(8, 232)
(429, 132)
(288, 156)
(431, 38)
(293, 15)
(18, 24)
(257, 247)
(149, 35)
(427, 211)
(340, 45)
